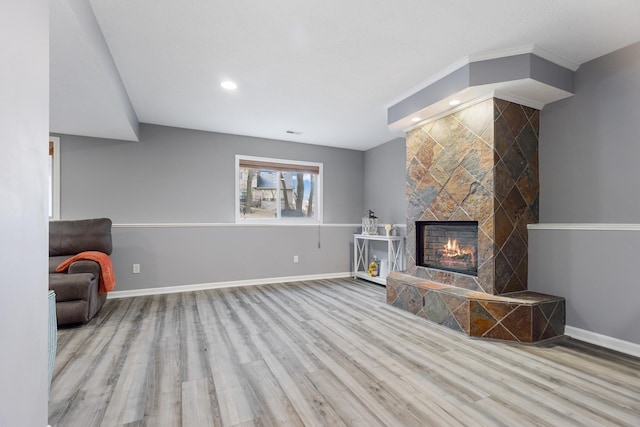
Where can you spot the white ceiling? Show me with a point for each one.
(328, 69)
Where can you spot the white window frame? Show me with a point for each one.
(53, 205)
(275, 221)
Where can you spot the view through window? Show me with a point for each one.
(278, 190)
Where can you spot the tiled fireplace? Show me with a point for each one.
(472, 188)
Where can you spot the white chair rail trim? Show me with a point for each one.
(232, 224)
(585, 226)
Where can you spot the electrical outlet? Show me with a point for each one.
(295, 259)
(136, 268)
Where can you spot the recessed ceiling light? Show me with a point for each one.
(454, 102)
(228, 84)
(416, 119)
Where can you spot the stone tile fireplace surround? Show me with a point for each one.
(479, 164)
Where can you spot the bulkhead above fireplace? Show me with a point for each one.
(448, 245)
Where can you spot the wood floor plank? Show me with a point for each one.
(527, 392)
(127, 403)
(163, 395)
(275, 407)
(197, 409)
(187, 332)
(615, 413)
(459, 409)
(278, 347)
(310, 405)
(282, 324)
(239, 334)
(379, 401)
(88, 372)
(232, 394)
(348, 406)
(321, 353)
(511, 415)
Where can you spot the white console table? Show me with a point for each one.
(361, 260)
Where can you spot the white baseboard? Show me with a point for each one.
(220, 285)
(611, 343)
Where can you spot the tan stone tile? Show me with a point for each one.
(503, 138)
(478, 117)
(499, 106)
(459, 185)
(443, 206)
(515, 117)
(462, 316)
(515, 162)
(467, 282)
(453, 302)
(538, 323)
(513, 285)
(503, 227)
(497, 309)
(486, 247)
(426, 152)
(503, 273)
(479, 159)
(514, 250)
(514, 205)
(460, 215)
(479, 203)
(499, 332)
(503, 183)
(480, 321)
(415, 173)
(534, 120)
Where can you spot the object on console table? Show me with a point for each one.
(362, 253)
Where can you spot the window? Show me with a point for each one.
(274, 190)
(54, 178)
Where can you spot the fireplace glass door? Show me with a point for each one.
(448, 245)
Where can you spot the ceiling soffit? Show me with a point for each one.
(525, 78)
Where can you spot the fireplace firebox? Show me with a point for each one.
(448, 245)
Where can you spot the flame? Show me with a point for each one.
(451, 249)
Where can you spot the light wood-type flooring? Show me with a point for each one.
(321, 353)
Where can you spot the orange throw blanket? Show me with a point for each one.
(107, 280)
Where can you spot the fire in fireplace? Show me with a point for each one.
(448, 245)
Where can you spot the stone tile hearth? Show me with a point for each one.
(527, 317)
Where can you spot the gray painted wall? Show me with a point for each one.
(185, 176)
(385, 188)
(385, 182)
(182, 175)
(598, 283)
(191, 256)
(24, 120)
(589, 149)
(590, 145)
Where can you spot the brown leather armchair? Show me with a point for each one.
(77, 295)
